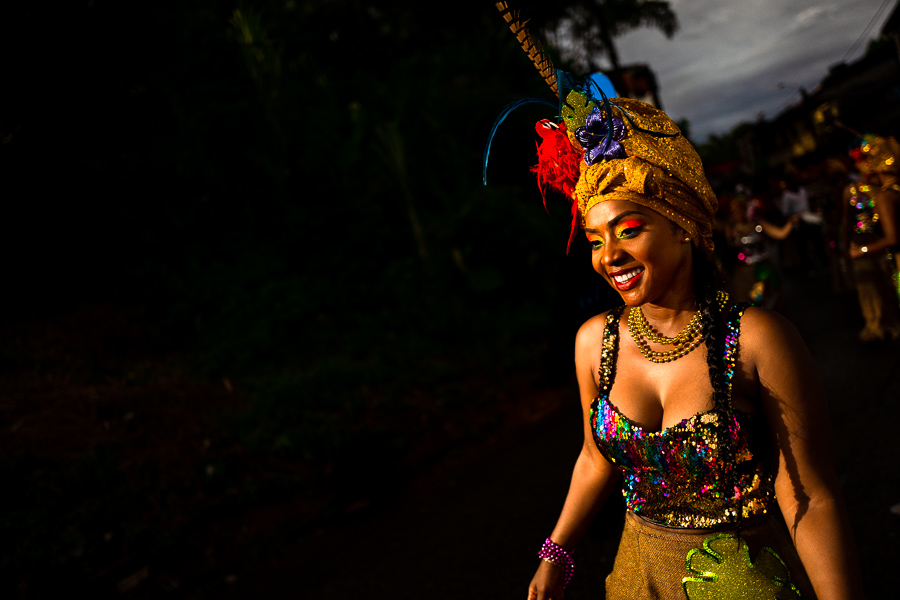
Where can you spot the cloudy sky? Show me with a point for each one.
(724, 64)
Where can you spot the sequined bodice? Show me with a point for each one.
(676, 477)
(864, 223)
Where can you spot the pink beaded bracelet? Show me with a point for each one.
(556, 554)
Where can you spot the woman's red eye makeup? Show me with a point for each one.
(628, 228)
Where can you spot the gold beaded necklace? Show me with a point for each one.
(687, 339)
(638, 322)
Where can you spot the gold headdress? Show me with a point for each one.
(655, 166)
(614, 148)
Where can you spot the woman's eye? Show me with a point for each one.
(596, 244)
(629, 229)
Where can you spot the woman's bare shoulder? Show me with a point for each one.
(591, 331)
(768, 336)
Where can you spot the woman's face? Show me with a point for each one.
(639, 252)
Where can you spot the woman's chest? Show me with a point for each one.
(658, 396)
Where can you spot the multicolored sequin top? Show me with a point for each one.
(865, 225)
(677, 477)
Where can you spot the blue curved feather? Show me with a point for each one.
(503, 114)
(647, 131)
(592, 82)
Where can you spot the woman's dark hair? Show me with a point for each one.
(707, 284)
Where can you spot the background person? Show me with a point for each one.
(870, 236)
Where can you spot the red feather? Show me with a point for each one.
(558, 166)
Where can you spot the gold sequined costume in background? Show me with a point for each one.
(875, 272)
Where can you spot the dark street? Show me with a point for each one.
(471, 528)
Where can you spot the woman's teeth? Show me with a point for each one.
(626, 276)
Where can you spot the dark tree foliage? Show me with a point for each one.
(290, 192)
(596, 23)
(256, 166)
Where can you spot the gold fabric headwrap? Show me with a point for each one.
(882, 153)
(662, 173)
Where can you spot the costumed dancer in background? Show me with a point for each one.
(709, 414)
(870, 235)
(754, 275)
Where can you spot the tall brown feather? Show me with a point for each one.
(533, 49)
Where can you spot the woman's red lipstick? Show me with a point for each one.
(627, 278)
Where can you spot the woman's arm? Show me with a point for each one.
(593, 477)
(806, 486)
(886, 203)
(776, 232)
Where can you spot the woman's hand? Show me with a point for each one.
(855, 251)
(593, 477)
(547, 583)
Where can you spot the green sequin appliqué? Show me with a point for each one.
(576, 110)
(723, 571)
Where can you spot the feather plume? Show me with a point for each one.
(503, 114)
(558, 168)
(533, 49)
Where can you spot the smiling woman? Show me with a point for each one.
(709, 414)
(633, 246)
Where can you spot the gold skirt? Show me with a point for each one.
(659, 562)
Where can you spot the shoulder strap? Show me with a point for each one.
(610, 349)
(732, 333)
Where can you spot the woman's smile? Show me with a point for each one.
(639, 252)
(627, 279)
